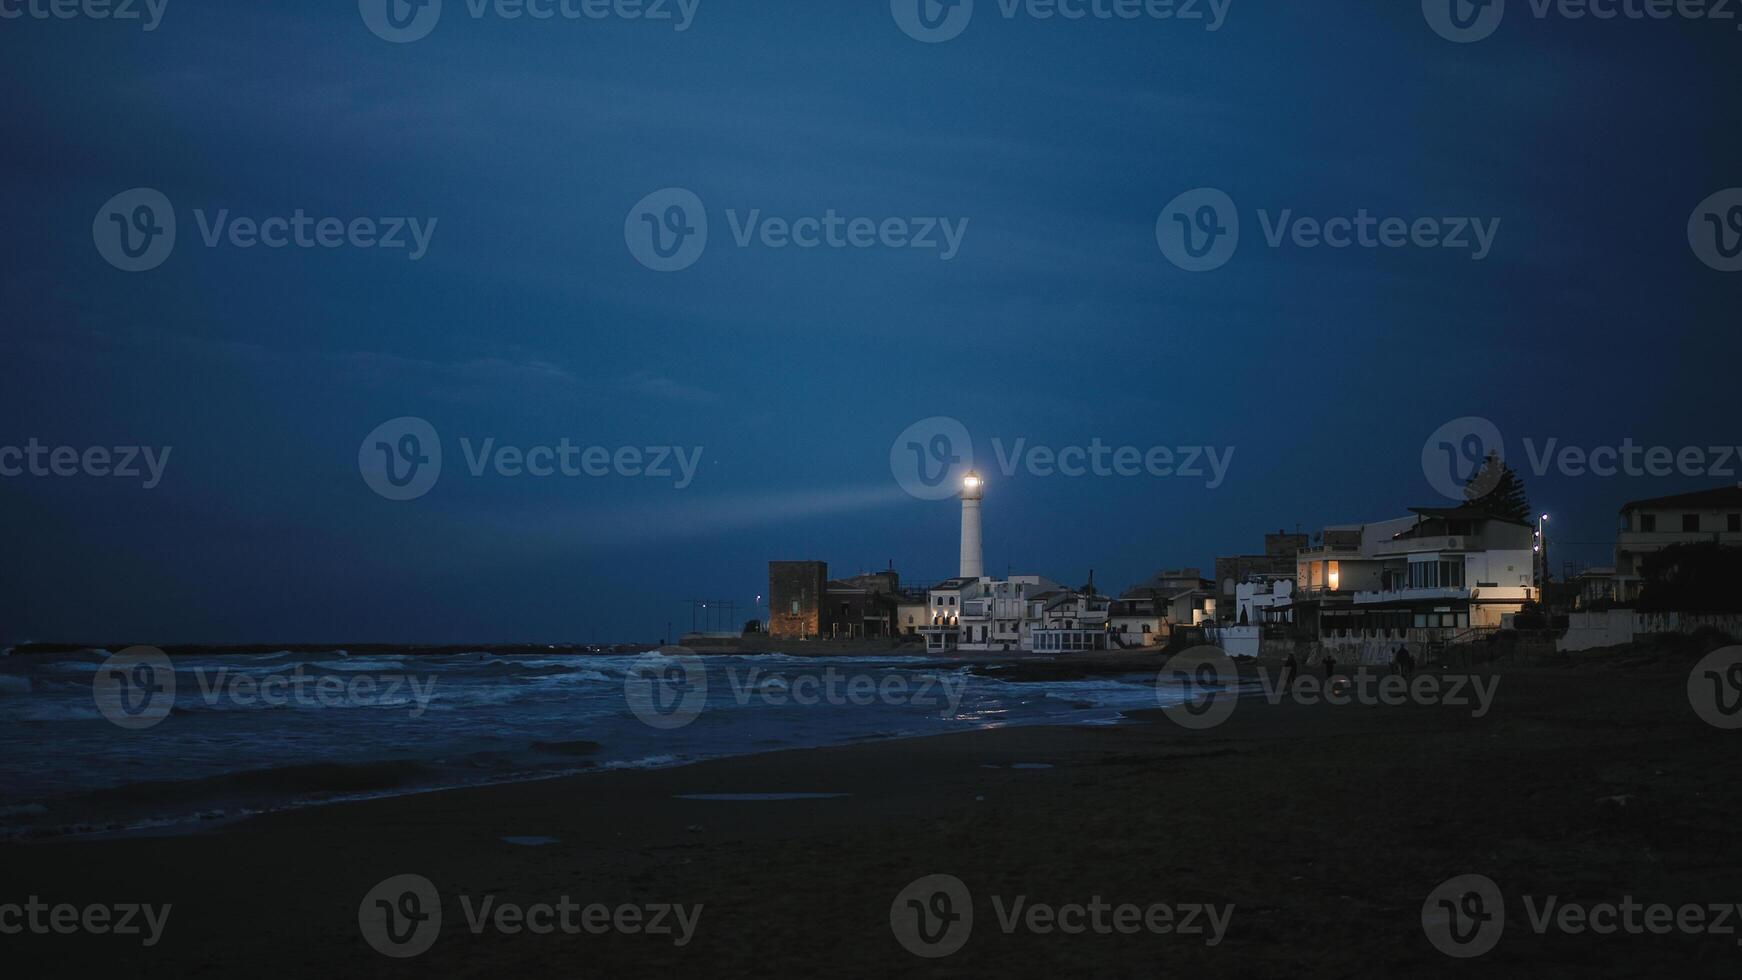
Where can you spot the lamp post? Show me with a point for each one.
(1541, 556)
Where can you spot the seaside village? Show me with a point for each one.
(1433, 579)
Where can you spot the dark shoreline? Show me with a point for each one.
(1324, 826)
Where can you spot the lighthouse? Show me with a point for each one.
(973, 564)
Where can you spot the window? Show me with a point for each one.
(1690, 523)
(1648, 522)
(1735, 523)
(1333, 575)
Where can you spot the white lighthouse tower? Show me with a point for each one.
(973, 563)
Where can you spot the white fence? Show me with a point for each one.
(1589, 630)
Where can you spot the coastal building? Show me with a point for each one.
(1135, 623)
(1277, 562)
(1594, 586)
(1649, 526)
(912, 612)
(1264, 600)
(1180, 597)
(804, 603)
(1441, 575)
(795, 598)
(1067, 621)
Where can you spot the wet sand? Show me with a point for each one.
(1324, 826)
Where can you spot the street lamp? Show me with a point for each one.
(1541, 553)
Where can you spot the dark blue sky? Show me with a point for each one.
(1060, 322)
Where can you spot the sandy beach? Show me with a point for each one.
(1324, 827)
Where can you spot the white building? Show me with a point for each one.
(1649, 526)
(1437, 577)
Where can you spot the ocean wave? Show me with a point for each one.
(661, 761)
(13, 684)
(60, 712)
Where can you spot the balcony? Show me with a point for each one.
(1435, 543)
(1653, 540)
(1412, 595)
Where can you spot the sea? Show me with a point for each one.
(101, 744)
